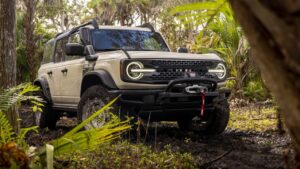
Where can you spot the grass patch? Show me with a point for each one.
(253, 119)
(127, 155)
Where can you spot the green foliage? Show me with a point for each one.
(220, 33)
(41, 36)
(6, 130)
(15, 95)
(253, 119)
(73, 140)
(254, 90)
(22, 65)
(127, 155)
(10, 98)
(76, 140)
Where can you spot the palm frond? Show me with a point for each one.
(89, 139)
(198, 6)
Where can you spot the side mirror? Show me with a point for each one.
(74, 49)
(90, 53)
(182, 50)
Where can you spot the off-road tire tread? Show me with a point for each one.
(92, 92)
(221, 118)
(48, 116)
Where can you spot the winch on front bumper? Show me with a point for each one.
(181, 98)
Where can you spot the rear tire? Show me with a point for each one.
(48, 117)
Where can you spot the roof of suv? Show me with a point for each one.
(124, 28)
(63, 34)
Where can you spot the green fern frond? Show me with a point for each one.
(16, 95)
(13, 97)
(20, 139)
(6, 131)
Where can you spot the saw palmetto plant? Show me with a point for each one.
(89, 139)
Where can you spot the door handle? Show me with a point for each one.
(65, 70)
(50, 73)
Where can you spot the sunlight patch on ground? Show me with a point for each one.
(253, 119)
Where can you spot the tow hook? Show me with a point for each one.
(201, 90)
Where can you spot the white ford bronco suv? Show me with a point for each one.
(85, 68)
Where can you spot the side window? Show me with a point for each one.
(48, 52)
(60, 50)
(75, 38)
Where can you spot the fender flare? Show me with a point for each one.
(43, 83)
(97, 77)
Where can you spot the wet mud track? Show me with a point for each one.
(232, 149)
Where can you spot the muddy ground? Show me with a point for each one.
(232, 149)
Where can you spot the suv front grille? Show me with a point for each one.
(169, 70)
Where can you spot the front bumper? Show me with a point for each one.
(172, 102)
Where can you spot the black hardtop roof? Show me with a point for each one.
(95, 26)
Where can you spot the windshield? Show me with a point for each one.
(131, 40)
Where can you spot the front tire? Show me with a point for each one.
(92, 100)
(220, 118)
(214, 122)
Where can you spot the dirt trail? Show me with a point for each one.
(232, 149)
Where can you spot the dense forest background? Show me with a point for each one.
(213, 30)
(255, 137)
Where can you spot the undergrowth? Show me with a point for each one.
(253, 119)
(128, 155)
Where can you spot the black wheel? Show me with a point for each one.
(46, 118)
(219, 120)
(212, 123)
(92, 100)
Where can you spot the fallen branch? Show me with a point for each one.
(205, 165)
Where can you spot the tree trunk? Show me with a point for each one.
(273, 30)
(30, 40)
(7, 43)
(8, 51)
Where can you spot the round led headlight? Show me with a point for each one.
(133, 66)
(221, 71)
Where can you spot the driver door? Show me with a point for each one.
(72, 75)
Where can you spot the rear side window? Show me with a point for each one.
(48, 52)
